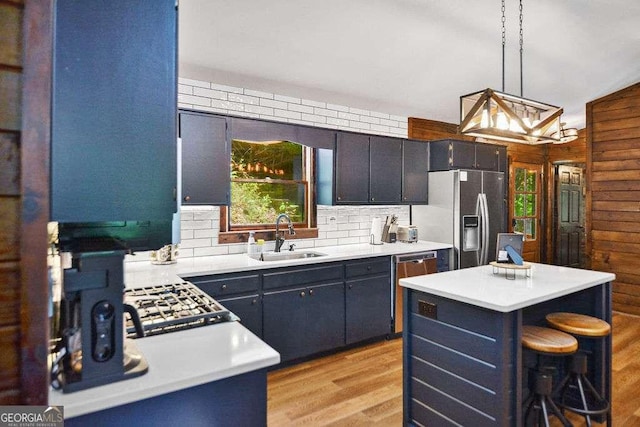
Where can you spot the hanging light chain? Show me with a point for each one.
(504, 41)
(521, 50)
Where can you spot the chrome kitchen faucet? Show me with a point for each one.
(280, 240)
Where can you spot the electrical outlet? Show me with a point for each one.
(427, 309)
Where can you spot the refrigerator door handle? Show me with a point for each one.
(485, 229)
(479, 214)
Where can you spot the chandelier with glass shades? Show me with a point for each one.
(498, 115)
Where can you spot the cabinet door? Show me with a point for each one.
(352, 168)
(368, 308)
(325, 317)
(284, 325)
(385, 172)
(487, 157)
(462, 154)
(113, 130)
(443, 260)
(248, 309)
(415, 172)
(205, 159)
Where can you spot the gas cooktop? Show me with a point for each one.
(172, 307)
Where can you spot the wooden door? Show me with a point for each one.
(569, 224)
(525, 190)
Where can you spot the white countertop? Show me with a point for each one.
(177, 361)
(144, 273)
(479, 286)
(197, 356)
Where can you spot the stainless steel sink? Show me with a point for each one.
(287, 255)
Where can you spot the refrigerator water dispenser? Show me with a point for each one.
(470, 233)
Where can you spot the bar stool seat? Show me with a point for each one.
(544, 341)
(579, 324)
(576, 393)
(548, 341)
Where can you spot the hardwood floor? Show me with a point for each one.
(363, 386)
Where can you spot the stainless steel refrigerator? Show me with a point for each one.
(467, 209)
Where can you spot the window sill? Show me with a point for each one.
(242, 236)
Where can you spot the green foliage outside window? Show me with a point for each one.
(267, 179)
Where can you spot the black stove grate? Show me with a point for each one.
(172, 307)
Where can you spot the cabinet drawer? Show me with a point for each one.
(226, 285)
(371, 266)
(302, 276)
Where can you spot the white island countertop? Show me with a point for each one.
(177, 361)
(144, 273)
(479, 286)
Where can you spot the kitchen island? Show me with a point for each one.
(463, 360)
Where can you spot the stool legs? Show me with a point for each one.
(577, 394)
(539, 403)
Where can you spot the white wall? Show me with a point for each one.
(337, 225)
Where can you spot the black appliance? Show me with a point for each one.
(171, 307)
(92, 350)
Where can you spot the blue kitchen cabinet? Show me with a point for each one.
(113, 129)
(385, 170)
(248, 309)
(368, 299)
(443, 260)
(306, 320)
(415, 172)
(238, 293)
(206, 157)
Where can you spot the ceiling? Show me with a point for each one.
(413, 57)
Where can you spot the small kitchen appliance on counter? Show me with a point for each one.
(90, 347)
(407, 233)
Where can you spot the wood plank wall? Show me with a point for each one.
(11, 17)
(613, 196)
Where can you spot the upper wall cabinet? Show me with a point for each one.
(113, 154)
(415, 172)
(453, 154)
(205, 159)
(385, 170)
(373, 169)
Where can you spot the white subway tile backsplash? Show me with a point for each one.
(359, 125)
(185, 89)
(337, 122)
(380, 129)
(200, 234)
(359, 111)
(349, 240)
(398, 118)
(273, 104)
(337, 107)
(368, 119)
(286, 113)
(289, 99)
(195, 243)
(244, 99)
(258, 93)
(234, 106)
(386, 122)
(314, 118)
(314, 103)
(191, 82)
(348, 116)
(301, 108)
(379, 115)
(258, 110)
(195, 225)
(210, 93)
(183, 105)
(226, 88)
(325, 112)
(195, 100)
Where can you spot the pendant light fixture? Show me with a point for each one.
(498, 115)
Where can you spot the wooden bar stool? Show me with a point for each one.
(576, 393)
(544, 341)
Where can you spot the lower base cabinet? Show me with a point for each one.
(368, 303)
(248, 309)
(303, 321)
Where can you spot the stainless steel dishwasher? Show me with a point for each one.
(411, 265)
